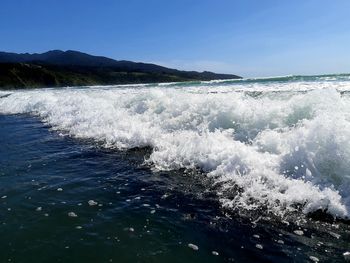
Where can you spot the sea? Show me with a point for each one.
(250, 170)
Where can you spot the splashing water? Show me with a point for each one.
(281, 144)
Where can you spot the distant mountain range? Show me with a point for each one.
(58, 68)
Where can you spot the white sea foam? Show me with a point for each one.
(281, 149)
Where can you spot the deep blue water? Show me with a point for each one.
(145, 216)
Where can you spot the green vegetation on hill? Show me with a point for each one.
(72, 68)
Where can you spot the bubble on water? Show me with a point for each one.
(314, 259)
(72, 214)
(259, 246)
(164, 196)
(346, 256)
(193, 246)
(335, 235)
(298, 232)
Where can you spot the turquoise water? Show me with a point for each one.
(247, 171)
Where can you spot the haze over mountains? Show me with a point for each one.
(58, 68)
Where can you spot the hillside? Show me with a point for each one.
(72, 68)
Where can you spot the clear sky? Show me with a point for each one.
(245, 37)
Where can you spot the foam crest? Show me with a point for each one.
(281, 151)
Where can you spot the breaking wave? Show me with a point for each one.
(264, 145)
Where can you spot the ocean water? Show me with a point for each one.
(253, 170)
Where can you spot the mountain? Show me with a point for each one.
(58, 57)
(72, 68)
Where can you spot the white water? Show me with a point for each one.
(281, 148)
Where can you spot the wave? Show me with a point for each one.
(283, 152)
(268, 80)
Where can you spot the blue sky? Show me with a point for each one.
(245, 37)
